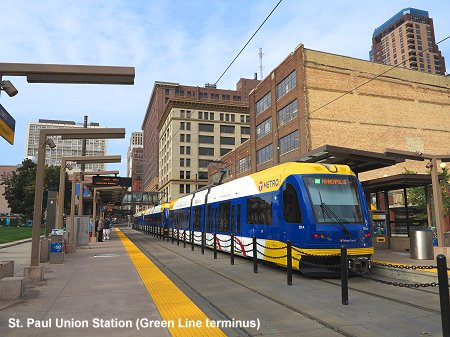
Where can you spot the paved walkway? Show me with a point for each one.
(92, 284)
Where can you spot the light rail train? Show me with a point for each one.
(318, 207)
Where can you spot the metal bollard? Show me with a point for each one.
(443, 294)
(232, 250)
(289, 262)
(255, 256)
(172, 235)
(203, 242)
(178, 236)
(344, 275)
(184, 239)
(215, 246)
(192, 240)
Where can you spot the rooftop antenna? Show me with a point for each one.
(260, 63)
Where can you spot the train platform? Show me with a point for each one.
(137, 278)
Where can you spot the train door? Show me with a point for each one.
(236, 219)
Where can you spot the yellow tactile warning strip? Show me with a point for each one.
(182, 316)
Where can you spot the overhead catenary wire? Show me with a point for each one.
(262, 24)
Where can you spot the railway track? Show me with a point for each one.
(141, 242)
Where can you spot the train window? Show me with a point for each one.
(224, 217)
(233, 218)
(209, 219)
(238, 222)
(197, 217)
(259, 210)
(291, 206)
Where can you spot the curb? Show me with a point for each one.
(14, 243)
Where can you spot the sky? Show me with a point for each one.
(188, 42)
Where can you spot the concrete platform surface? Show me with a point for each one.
(94, 289)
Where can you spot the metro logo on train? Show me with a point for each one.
(268, 184)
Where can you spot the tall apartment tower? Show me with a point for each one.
(66, 147)
(135, 160)
(407, 39)
(161, 94)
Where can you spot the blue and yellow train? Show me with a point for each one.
(318, 207)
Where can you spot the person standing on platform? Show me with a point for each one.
(106, 228)
(100, 232)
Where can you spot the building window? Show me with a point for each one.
(167, 92)
(181, 149)
(244, 164)
(211, 116)
(182, 137)
(245, 130)
(182, 114)
(224, 151)
(181, 174)
(182, 125)
(242, 118)
(188, 150)
(236, 98)
(287, 85)
(289, 142)
(202, 175)
(200, 115)
(206, 151)
(188, 162)
(225, 97)
(264, 103)
(227, 140)
(188, 174)
(264, 128)
(288, 113)
(181, 162)
(181, 188)
(227, 128)
(221, 116)
(264, 155)
(188, 138)
(206, 127)
(206, 139)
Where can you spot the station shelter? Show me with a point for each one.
(398, 203)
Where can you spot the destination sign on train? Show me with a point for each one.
(111, 181)
(331, 181)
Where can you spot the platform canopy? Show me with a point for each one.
(358, 160)
(396, 182)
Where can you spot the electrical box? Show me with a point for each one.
(380, 237)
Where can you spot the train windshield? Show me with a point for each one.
(334, 199)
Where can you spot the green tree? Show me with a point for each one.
(416, 195)
(20, 188)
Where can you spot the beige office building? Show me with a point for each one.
(192, 134)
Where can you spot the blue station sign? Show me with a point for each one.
(7, 125)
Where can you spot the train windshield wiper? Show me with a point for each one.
(327, 209)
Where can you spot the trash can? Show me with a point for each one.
(57, 246)
(421, 241)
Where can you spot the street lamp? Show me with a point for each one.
(62, 176)
(34, 271)
(9, 88)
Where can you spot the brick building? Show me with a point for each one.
(308, 101)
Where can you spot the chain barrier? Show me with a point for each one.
(309, 254)
(273, 257)
(271, 248)
(398, 284)
(390, 265)
(224, 240)
(319, 264)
